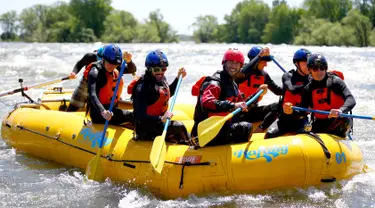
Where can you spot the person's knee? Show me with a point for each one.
(345, 126)
(129, 116)
(72, 108)
(271, 133)
(179, 130)
(241, 131)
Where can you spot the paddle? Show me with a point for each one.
(209, 128)
(11, 92)
(94, 170)
(327, 113)
(159, 149)
(277, 63)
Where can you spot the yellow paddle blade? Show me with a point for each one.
(367, 169)
(158, 152)
(209, 128)
(94, 170)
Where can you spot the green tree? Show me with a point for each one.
(339, 35)
(165, 32)
(91, 14)
(367, 8)
(60, 23)
(280, 28)
(276, 3)
(85, 35)
(147, 33)
(8, 23)
(361, 26)
(372, 38)
(33, 23)
(312, 31)
(120, 26)
(334, 10)
(229, 29)
(205, 29)
(252, 19)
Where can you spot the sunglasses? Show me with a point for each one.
(159, 69)
(315, 69)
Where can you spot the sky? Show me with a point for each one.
(180, 14)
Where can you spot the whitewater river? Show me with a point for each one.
(31, 182)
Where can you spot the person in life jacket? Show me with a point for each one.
(150, 95)
(219, 95)
(293, 82)
(327, 92)
(102, 78)
(252, 76)
(80, 94)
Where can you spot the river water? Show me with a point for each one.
(26, 181)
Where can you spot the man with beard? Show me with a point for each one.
(219, 95)
(150, 94)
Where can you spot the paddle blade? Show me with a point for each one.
(209, 128)
(367, 169)
(94, 169)
(158, 152)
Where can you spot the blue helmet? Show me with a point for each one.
(156, 58)
(254, 51)
(113, 54)
(317, 60)
(301, 55)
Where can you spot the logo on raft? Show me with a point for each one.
(190, 159)
(266, 153)
(94, 137)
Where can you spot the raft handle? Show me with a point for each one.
(191, 164)
(109, 157)
(128, 165)
(328, 180)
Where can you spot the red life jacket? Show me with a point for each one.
(252, 84)
(295, 99)
(132, 85)
(161, 105)
(197, 86)
(87, 70)
(197, 91)
(325, 99)
(337, 73)
(106, 92)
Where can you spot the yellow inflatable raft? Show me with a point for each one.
(284, 162)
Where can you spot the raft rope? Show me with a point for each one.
(320, 141)
(109, 156)
(56, 137)
(126, 163)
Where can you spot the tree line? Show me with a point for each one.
(318, 22)
(83, 21)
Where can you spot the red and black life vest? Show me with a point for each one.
(106, 92)
(251, 85)
(325, 99)
(198, 89)
(159, 107)
(289, 97)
